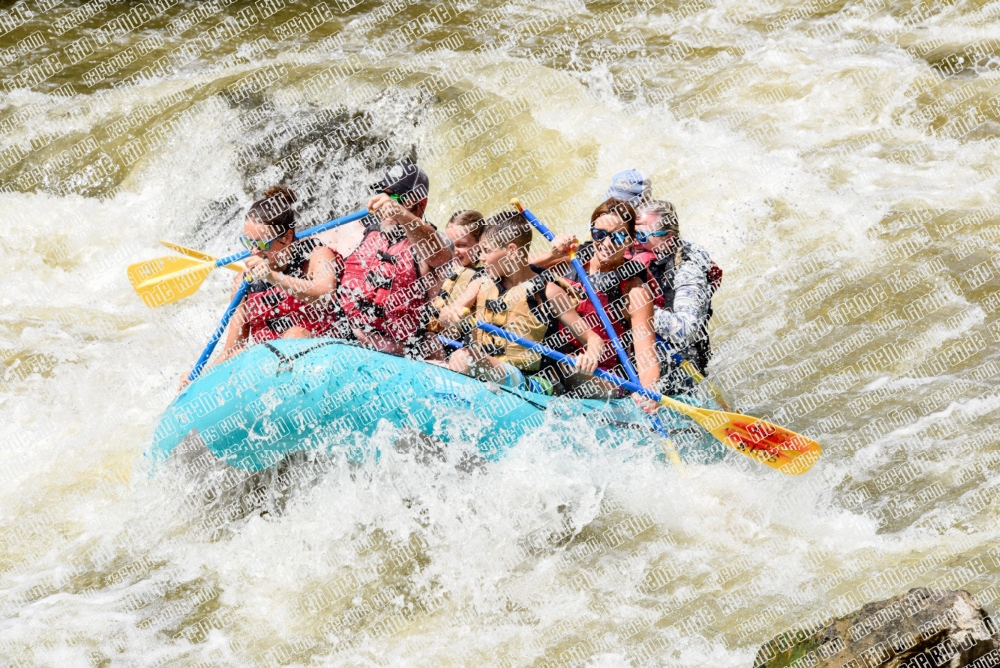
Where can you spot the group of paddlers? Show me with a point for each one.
(406, 288)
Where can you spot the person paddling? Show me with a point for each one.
(387, 278)
(685, 273)
(514, 296)
(628, 185)
(687, 277)
(626, 291)
(293, 289)
(464, 228)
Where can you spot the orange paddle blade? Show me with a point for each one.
(775, 446)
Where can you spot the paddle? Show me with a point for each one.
(581, 273)
(198, 255)
(596, 301)
(692, 371)
(165, 280)
(775, 446)
(451, 343)
(684, 364)
(217, 334)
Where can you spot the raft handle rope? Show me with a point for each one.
(285, 361)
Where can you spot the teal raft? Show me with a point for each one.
(285, 396)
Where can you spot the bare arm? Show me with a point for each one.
(640, 308)
(557, 254)
(454, 312)
(320, 282)
(432, 248)
(562, 307)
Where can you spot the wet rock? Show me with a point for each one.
(317, 148)
(924, 628)
(328, 155)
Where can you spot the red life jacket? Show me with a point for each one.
(270, 311)
(645, 257)
(610, 288)
(381, 289)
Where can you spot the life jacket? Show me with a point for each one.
(521, 310)
(646, 257)
(270, 311)
(381, 287)
(455, 284)
(663, 269)
(610, 287)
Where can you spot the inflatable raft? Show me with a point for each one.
(286, 396)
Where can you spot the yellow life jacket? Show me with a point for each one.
(520, 311)
(454, 285)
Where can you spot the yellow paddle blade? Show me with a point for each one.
(198, 255)
(671, 452)
(775, 446)
(712, 389)
(164, 280)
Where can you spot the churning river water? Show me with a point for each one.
(839, 160)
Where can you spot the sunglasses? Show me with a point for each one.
(618, 238)
(643, 237)
(262, 244)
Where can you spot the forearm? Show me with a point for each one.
(453, 313)
(595, 345)
(308, 291)
(548, 259)
(468, 297)
(640, 302)
(646, 362)
(430, 245)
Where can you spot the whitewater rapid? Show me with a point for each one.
(837, 159)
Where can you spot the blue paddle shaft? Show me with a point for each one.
(337, 222)
(594, 299)
(566, 359)
(451, 343)
(559, 357)
(581, 272)
(547, 233)
(217, 334)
